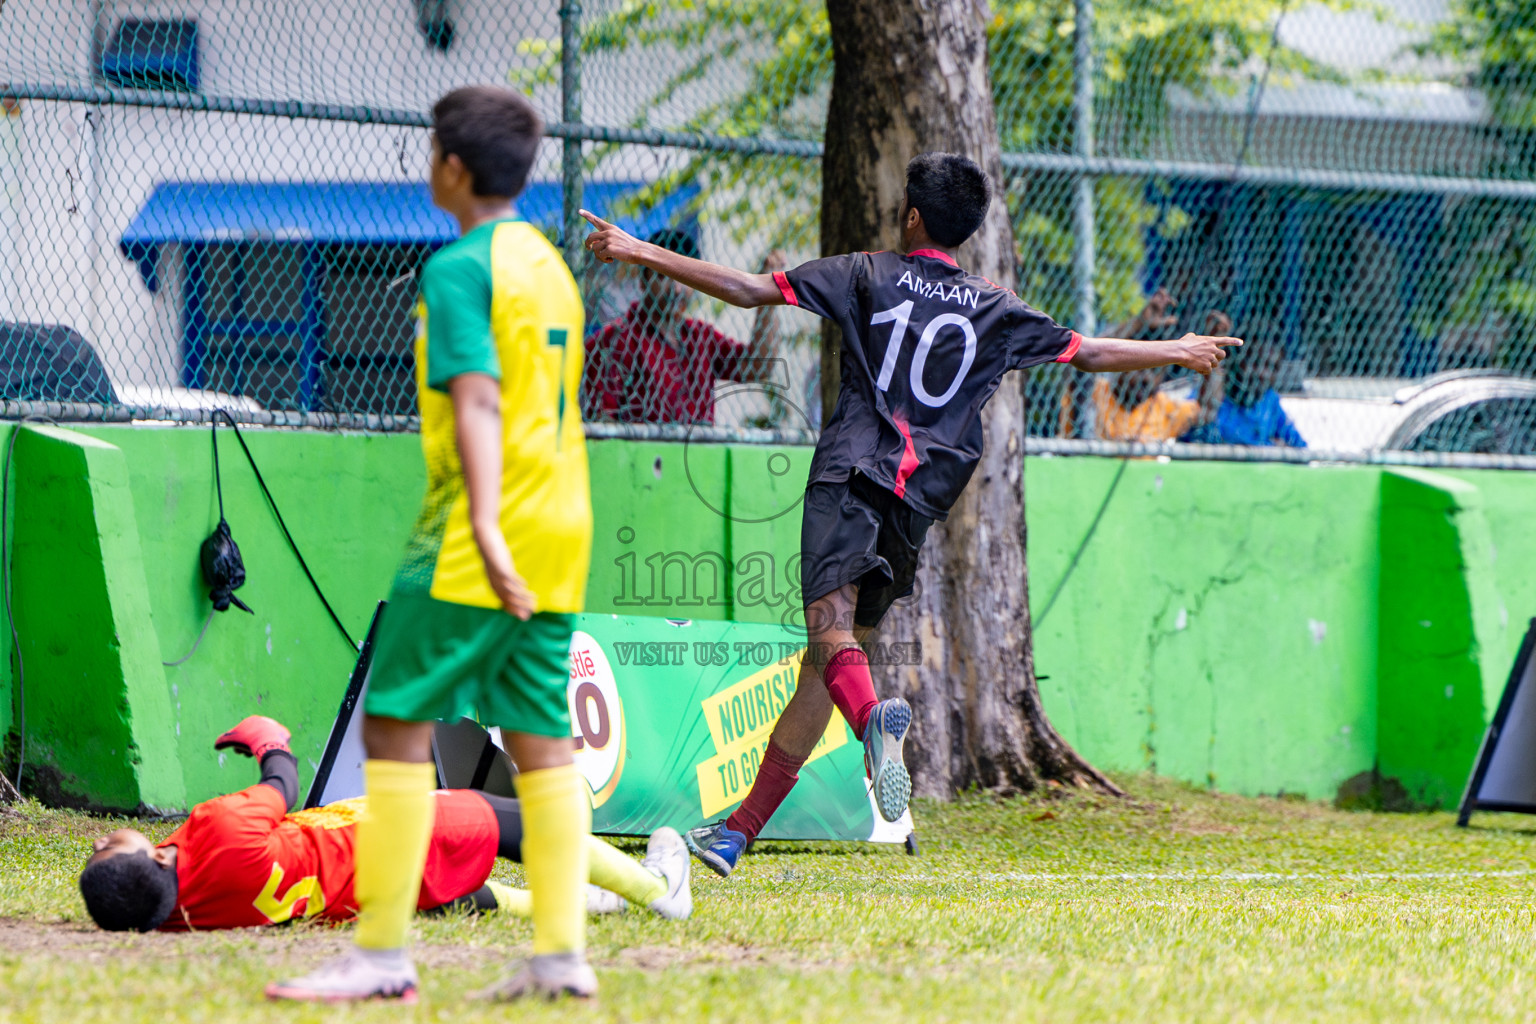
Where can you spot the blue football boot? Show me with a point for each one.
(717, 846)
(883, 735)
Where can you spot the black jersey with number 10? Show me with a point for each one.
(925, 344)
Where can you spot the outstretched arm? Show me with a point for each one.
(762, 354)
(266, 740)
(1197, 352)
(739, 288)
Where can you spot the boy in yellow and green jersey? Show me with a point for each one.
(482, 608)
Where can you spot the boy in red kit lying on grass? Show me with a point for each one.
(242, 860)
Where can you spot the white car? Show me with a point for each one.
(1483, 411)
(1486, 411)
(171, 401)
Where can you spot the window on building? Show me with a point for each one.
(300, 295)
(311, 327)
(152, 54)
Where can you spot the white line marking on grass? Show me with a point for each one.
(1251, 876)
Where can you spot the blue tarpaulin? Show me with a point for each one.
(354, 213)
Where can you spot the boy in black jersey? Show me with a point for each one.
(925, 344)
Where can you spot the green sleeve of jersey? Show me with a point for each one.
(457, 294)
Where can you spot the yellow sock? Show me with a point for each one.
(609, 869)
(392, 840)
(557, 819)
(510, 900)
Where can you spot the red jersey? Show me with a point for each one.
(634, 375)
(242, 861)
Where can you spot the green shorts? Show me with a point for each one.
(438, 660)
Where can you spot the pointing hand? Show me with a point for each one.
(608, 242)
(1202, 353)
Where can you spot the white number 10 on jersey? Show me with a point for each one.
(901, 316)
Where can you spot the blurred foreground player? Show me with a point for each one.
(481, 611)
(241, 860)
(925, 344)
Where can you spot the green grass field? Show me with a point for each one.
(1174, 905)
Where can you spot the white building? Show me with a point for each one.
(77, 176)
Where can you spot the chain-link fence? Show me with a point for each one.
(222, 204)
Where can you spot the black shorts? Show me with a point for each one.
(858, 532)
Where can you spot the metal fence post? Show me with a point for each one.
(1083, 257)
(570, 114)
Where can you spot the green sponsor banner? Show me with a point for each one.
(671, 719)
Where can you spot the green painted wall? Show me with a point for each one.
(662, 536)
(7, 650)
(1441, 640)
(1219, 626)
(1225, 625)
(767, 488)
(348, 500)
(98, 716)
(658, 545)
(696, 531)
(1509, 508)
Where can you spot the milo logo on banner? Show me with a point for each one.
(740, 719)
(597, 717)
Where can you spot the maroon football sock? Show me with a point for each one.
(775, 778)
(851, 687)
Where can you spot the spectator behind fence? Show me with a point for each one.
(654, 364)
(1133, 407)
(1251, 413)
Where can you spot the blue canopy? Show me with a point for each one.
(354, 213)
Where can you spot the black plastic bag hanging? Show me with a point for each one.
(223, 569)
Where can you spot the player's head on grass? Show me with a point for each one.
(129, 884)
(484, 142)
(945, 202)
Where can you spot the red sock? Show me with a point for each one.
(775, 778)
(851, 687)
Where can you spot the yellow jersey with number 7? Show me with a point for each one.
(501, 301)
